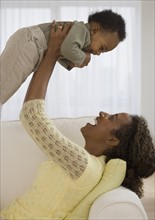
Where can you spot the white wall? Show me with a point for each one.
(147, 68)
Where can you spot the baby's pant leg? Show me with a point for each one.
(18, 60)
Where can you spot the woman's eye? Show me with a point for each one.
(113, 117)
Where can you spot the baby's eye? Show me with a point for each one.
(103, 49)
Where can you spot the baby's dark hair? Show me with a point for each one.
(137, 149)
(109, 21)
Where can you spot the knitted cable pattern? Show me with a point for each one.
(68, 155)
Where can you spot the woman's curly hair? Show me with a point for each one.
(137, 149)
(109, 21)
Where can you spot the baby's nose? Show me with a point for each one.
(98, 53)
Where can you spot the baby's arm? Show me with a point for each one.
(72, 47)
(71, 65)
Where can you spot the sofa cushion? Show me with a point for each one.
(112, 178)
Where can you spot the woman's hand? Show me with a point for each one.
(57, 35)
(39, 82)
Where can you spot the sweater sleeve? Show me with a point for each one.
(56, 146)
(76, 40)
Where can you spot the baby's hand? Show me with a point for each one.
(86, 61)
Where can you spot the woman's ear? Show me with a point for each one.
(113, 141)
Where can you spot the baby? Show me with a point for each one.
(26, 47)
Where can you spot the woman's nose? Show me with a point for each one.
(103, 114)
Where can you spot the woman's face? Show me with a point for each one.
(99, 136)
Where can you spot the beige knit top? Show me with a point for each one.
(57, 147)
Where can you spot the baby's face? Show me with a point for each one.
(102, 41)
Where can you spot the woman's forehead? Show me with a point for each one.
(124, 116)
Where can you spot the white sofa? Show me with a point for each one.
(20, 158)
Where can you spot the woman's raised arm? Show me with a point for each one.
(68, 155)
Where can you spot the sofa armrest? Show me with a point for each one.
(118, 204)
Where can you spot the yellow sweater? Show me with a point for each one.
(54, 194)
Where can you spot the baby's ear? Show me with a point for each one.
(94, 28)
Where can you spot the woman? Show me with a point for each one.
(72, 172)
